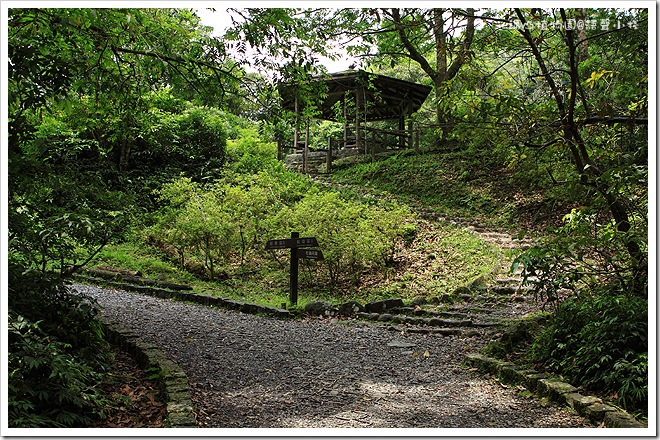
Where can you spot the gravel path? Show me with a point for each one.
(253, 371)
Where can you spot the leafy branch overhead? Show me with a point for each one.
(117, 51)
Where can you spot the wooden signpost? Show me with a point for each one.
(296, 244)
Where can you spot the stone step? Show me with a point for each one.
(508, 281)
(418, 311)
(414, 320)
(435, 331)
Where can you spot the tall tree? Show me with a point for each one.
(575, 113)
(425, 35)
(290, 40)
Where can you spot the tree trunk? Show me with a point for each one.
(590, 173)
(441, 72)
(583, 48)
(440, 69)
(124, 155)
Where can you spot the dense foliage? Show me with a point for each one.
(57, 354)
(224, 223)
(600, 342)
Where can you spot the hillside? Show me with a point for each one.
(456, 185)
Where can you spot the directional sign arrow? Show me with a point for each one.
(278, 244)
(289, 243)
(310, 254)
(306, 242)
(294, 243)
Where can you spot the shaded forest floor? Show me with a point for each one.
(135, 399)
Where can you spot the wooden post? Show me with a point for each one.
(279, 149)
(328, 158)
(410, 134)
(295, 125)
(295, 243)
(358, 102)
(345, 120)
(365, 103)
(306, 149)
(293, 273)
(402, 129)
(417, 140)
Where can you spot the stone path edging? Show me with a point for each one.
(206, 300)
(563, 393)
(170, 377)
(175, 386)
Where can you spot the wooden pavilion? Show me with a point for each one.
(355, 98)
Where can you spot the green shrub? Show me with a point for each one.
(583, 254)
(56, 353)
(352, 236)
(196, 222)
(202, 141)
(48, 385)
(600, 342)
(248, 154)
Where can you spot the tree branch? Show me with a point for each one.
(465, 46)
(543, 145)
(613, 120)
(414, 53)
(591, 120)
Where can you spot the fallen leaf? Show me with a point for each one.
(415, 354)
(468, 348)
(427, 354)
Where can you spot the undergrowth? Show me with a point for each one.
(57, 354)
(434, 262)
(600, 342)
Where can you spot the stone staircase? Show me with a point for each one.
(477, 311)
(484, 306)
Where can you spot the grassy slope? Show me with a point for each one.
(439, 259)
(455, 184)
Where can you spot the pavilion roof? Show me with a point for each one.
(386, 97)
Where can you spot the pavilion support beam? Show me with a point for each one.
(402, 129)
(306, 150)
(409, 112)
(345, 122)
(296, 125)
(358, 104)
